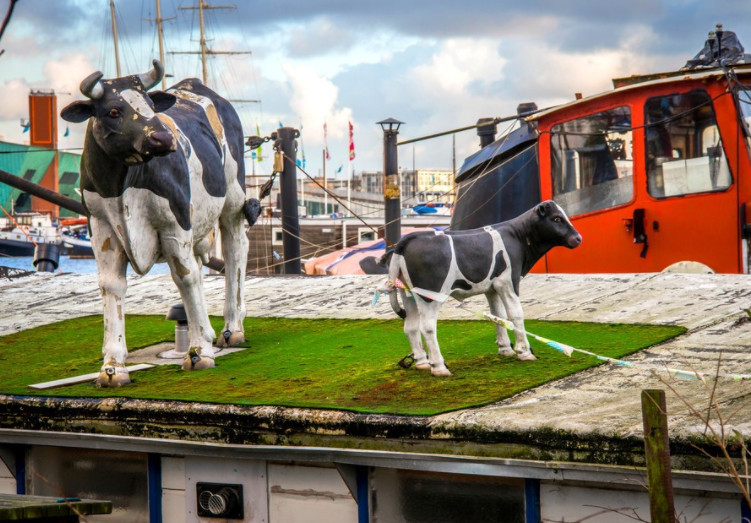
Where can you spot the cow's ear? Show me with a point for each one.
(78, 111)
(162, 101)
(543, 209)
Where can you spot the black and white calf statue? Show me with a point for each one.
(488, 261)
(158, 171)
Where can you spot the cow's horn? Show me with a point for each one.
(153, 77)
(91, 87)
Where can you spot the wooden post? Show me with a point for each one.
(657, 452)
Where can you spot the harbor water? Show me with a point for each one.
(73, 265)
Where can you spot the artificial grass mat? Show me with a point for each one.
(320, 363)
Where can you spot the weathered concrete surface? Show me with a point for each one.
(600, 402)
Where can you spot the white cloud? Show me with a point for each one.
(313, 99)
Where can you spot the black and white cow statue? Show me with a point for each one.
(461, 264)
(158, 171)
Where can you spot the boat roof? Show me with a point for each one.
(641, 81)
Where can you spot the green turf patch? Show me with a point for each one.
(321, 363)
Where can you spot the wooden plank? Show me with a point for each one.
(657, 453)
(22, 508)
(82, 379)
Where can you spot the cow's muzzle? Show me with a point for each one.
(161, 143)
(574, 241)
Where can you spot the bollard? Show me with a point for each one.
(182, 339)
(46, 257)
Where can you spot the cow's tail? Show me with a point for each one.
(252, 210)
(395, 272)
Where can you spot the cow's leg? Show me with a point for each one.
(412, 330)
(513, 306)
(235, 253)
(186, 273)
(428, 327)
(112, 263)
(497, 309)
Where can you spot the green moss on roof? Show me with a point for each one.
(320, 363)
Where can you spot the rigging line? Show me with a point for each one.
(494, 194)
(486, 166)
(332, 195)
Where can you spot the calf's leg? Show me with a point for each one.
(497, 309)
(428, 327)
(412, 330)
(112, 263)
(235, 253)
(513, 306)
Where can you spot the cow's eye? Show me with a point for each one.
(114, 112)
(557, 219)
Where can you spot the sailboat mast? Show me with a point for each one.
(160, 37)
(205, 51)
(203, 43)
(114, 36)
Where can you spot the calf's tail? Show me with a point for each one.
(394, 273)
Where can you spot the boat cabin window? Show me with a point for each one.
(592, 162)
(684, 148)
(743, 95)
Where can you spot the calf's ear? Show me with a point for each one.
(77, 112)
(543, 209)
(162, 101)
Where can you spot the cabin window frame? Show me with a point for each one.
(606, 199)
(690, 175)
(363, 231)
(277, 232)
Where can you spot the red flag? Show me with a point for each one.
(351, 142)
(325, 141)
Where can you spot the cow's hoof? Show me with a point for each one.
(422, 365)
(440, 373)
(526, 356)
(230, 339)
(113, 376)
(506, 352)
(194, 361)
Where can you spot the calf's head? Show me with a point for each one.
(123, 115)
(553, 228)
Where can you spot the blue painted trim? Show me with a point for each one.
(532, 501)
(745, 512)
(155, 488)
(20, 470)
(363, 495)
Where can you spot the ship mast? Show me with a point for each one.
(205, 51)
(114, 37)
(160, 37)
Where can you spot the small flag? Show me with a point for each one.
(339, 169)
(325, 141)
(259, 155)
(67, 131)
(351, 142)
(280, 123)
(26, 127)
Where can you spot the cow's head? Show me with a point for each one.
(123, 115)
(552, 226)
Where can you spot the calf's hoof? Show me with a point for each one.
(230, 339)
(440, 373)
(113, 376)
(506, 352)
(194, 361)
(526, 356)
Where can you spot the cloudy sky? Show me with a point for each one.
(434, 64)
